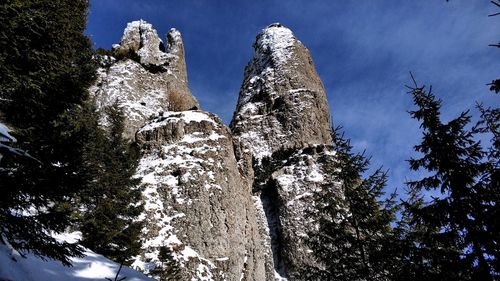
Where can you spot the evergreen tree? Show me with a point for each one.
(353, 241)
(454, 236)
(46, 68)
(490, 181)
(109, 225)
(170, 268)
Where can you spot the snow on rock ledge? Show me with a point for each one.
(196, 202)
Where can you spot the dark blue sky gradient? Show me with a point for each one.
(363, 51)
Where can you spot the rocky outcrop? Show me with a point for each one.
(282, 129)
(197, 204)
(220, 203)
(144, 77)
(282, 102)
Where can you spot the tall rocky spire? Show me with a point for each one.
(282, 130)
(282, 102)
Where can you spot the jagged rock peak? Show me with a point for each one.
(175, 49)
(144, 77)
(174, 40)
(141, 39)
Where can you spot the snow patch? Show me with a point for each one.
(90, 267)
(5, 136)
(276, 41)
(173, 117)
(278, 277)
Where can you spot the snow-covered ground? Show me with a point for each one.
(90, 267)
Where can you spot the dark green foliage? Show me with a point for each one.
(490, 181)
(452, 235)
(495, 86)
(354, 236)
(104, 52)
(112, 197)
(170, 268)
(45, 71)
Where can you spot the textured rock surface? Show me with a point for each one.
(282, 102)
(197, 203)
(290, 189)
(281, 126)
(228, 205)
(143, 77)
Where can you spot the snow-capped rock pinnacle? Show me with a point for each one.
(275, 42)
(282, 102)
(282, 130)
(174, 40)
(145, 77)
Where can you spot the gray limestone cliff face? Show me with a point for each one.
(144, 76)
(197, 204)
(282, 130)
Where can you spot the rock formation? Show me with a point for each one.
(220, 203)
(144, 77)
(282, 127)
(197, 203)
(282, 102)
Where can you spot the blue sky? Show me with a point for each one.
(363, 51)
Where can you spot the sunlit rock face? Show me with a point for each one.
(281, 126)
(282, 102)
(196, 201)
(144, 76)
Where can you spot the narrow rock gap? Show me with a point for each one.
(162, 47)
(269, 198)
